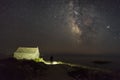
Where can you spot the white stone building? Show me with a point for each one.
(27, 53)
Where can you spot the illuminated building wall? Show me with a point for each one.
(26, 53)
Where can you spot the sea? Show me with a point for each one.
(88, 60)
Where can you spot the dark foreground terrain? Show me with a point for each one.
(12, 69)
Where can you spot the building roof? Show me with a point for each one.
(27, 50)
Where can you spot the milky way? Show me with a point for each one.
(85, 22)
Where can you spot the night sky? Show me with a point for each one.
(60, 26)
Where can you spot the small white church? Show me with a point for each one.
(32, 53)
(27, 53)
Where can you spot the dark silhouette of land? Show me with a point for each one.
(12, 69)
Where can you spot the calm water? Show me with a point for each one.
(88, 60)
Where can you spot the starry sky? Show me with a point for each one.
(60, 26)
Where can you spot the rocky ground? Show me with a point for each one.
(12, 69)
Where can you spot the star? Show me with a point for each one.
(76, 13)
(108, 27)
(55, 16)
